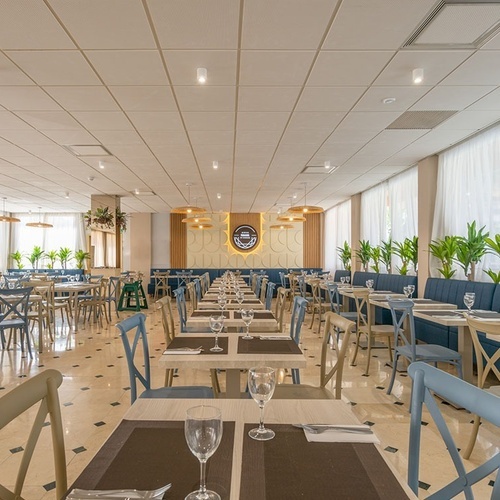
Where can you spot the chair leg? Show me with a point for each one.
(355, 355)
(473, 438)
(215, 382)
(295, 376)
(393, 375)
(367, 371)
(390, 347)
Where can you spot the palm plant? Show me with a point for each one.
(64, 255)
(494, 248)
(364, 253)
(81, 256)
(376, 256)
(344, 253)
(445, 250)
(471, 249)
(17, 257)
(414, 252)
(34, 257)
(386, 250)
(404, 250)
(52, 256)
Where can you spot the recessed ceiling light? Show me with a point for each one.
(327, 164)
(219, 196)
(201, 75)
(101, 164)
(389, 100)
(66, 195)
(215, 164)
(136, 191)
(294, 196)
(418, 75)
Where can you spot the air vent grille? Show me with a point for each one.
(420, 119)
(318, 169)
(88, 150)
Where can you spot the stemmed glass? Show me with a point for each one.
(347, 280)
(247, 317)
(222, 300)
(406, 291)
(203, 431)
(469, 299)
(342, 280)
(216, 325)
(411, 289)
(261, 384)
(240, 297)
(369, 284)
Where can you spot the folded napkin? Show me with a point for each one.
(447, 316)
(340, 436)
(78, 494)
(275, 337)
(182, 351)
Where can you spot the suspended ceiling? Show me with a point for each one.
(291, 84)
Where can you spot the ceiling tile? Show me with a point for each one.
(11, 74)
(329, 98)
(368, 120)
(55, 67)
(445, 97)
(128, 67)
(471, 120)
(167, 137)
(117, 137)
(150, 98)
(68, 137)
(199, 120)
(481, 68)
(105, 120)
(260, 120)
(205, 98)
(49, 120)
(405, 97)
(315, 120)
(267, 98)
(161, 120)
(24, 137)
(26, 98)
(90, 98)
(220, 137)
(258, 137)
(488, 102)
(305, 136)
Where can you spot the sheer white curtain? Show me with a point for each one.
(68, 231)
(110, 250)
(98, 246)
(468, 189)
(4, 244)
(337, 230)
(374, 214)
(403, 207)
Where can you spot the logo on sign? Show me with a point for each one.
(245, 237)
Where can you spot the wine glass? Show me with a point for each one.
(342, 280)
(222, 300)
(411, 289)
(247, 317)
(406, 291)
(240, 297)
(216, 325)
(261, 384)
(347, 280)
(469, 299)
(203, 431)
(369, 284)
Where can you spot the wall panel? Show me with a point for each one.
(178, 242)
(313, 240)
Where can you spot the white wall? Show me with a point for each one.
(160, 250)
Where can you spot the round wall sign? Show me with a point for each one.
(245, 237)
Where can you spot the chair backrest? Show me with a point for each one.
(167, 319)
(197, 288)
(95, 278)
(485, 362)
(46, 290)
(258, 284)
(364, 321)
(279, 313)
(263, 289)
(15, 303)
(113, 288)
(301, 281)
(316, 291)
(269, 295)
(405, 309)
(427, 378)
(282, 279)
(192, 295)
(335, 326)
(41, 388)
(297, 318)
(180, 300)
(253, 280)
(137, 325)
(333, 295)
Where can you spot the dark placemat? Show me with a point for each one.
(256, 315)
(194, 342)
(148, 454)
(207, 313)
(256, 345)
(449, 312)
(290, 467)
(426, 301)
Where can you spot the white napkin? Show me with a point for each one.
(275, 337)
(182, 351)
(447, 316)
(339, 436)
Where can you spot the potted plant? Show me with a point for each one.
(34, 257)
(364, 253)
(445, 250)
(413, 244)
(81, 256)
(386, 251)
(102, 217)
(344, 253)
(404, 250)
(121, 220)
(471, 249)
(64, 255)
(17, 257)
(52, 256)
(376, 256)
(494, 248)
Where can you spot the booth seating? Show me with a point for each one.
(341, 273)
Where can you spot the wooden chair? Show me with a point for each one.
(191, 291)
(94, 305)
(318, 305)
(263, 289)
(42, 388)
(161, 284)
(40, 312)
(366, 327)
(335, 326)
(279, 312)
(485, 366)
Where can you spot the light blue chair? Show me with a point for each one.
(138, 322)
(258, 284)
(269, 294)
(113, 294)
(334, 296)
(197, 288)
(402, 314)
(296, 320)
(427, 378)
(180, 300)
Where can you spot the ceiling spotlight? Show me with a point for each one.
(327, 164)
(66, 195)
(101, 165)
(219, 196)
(201, 75)
(389, 100)
(91, 178)
(418, 75)
(294, 196)
(215, 164)
(136, 191)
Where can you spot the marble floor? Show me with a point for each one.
(95, 394)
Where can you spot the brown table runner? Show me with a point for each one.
(486, 315)
(256, 345)
(290, 467)
(256, 315)
(449, 312)
(207, 313)
(148, 454)
(194, 342)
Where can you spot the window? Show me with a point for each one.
(337, 230)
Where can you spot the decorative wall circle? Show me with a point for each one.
(245, 237)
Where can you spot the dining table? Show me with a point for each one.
(148, 450)
(238, 354)
(263, 320)
(73, 290)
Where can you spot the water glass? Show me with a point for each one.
(222, 300)
(469, 299)
(342, 280)
(411, 289)
(369, 284)
(203, 432)
(347, 280)
(261, 384)
(240, 297)
(406, 291)
(247, 317)
(216, 325)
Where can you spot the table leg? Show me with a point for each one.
(233, 390)
(465, 349)
(40, 332)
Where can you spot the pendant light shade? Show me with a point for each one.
(289, 217)
(188, 209)
(7, 218)
(305, 208)
(39, 224)
(202, 226)
(281, 226)
(196, 220)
